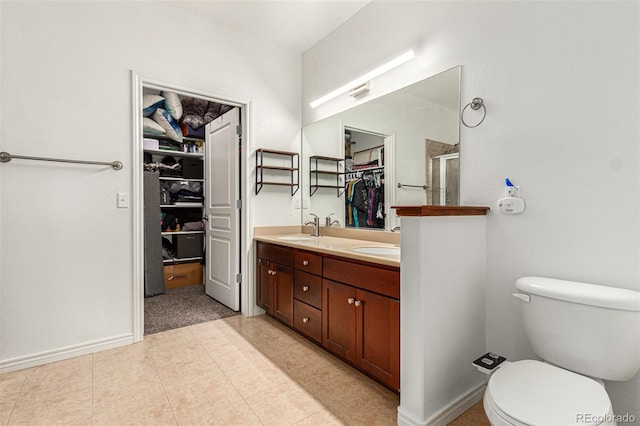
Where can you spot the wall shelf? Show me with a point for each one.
(316, 163)
(293, 168)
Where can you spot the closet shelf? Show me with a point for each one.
(180, 179)
(174, 153)
(182, 206)
(181, 259)
(164, 233)
(293, 168)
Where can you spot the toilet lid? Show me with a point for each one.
(536, 393)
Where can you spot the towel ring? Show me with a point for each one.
(475, 104)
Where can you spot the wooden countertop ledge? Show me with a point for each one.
(440, 210)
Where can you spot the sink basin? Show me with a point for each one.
(300, 238)
(378, 250)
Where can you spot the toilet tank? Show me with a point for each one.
(590, 329)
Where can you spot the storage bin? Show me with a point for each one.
(188, 245)
(192, 168)
(182, 274)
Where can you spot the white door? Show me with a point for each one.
(221, 212)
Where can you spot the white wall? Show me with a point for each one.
(66, 269)
(560, 82)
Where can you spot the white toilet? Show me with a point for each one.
(585, 333)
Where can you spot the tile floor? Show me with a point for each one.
(234, 371)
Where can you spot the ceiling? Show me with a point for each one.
(292, 24)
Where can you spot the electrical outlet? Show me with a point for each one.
(512, 192)
(305, 203)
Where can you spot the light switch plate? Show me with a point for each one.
(123, 200)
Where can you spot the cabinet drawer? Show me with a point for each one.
(308, 262)
(308, 288)
(277, 254)
(372, 278)
(307, 320)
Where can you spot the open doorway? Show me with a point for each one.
(366, 203)
(187, 205)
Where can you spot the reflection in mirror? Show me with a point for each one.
(398, 149)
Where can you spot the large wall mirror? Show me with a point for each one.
(398, 149)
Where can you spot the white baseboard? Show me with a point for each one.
(448, 413)
(60, 354)
(453, 410)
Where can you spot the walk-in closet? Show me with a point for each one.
(190, 178)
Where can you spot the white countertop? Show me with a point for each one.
(336, 246)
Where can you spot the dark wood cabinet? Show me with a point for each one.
(283, 294)
(378, 336)
(338, 319)
(264, 285)
(274, 283)
(363, 328)
(351, 308)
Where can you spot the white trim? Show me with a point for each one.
(138, 82)
(60, 354)
(448, 413)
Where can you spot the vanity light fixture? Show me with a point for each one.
(360, 81)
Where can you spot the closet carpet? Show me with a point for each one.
(180, 307)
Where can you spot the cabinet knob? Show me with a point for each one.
(357, 303)
(305, 320)
(305, 262)
(350, 300)
(305, 288)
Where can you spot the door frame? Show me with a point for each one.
(137, 83)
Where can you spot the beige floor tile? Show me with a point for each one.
(186, 353)
(206, 393)
(321, 418)
(235, 371)
(237, 413)
(153, 414)
(185, 373)
(474, 416)
(48, 381)
(169, 338)
(133, 391)
(283, 405)
(10, 381)
(251, 380)
(230, 358)
(365, 406)
(122, 363)
(71, 408)
(301, 359)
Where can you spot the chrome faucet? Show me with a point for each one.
(395, 228)
(328, 222)
(315, 224)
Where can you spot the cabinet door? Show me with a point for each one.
(338, 319)
(283, 300)
(378, 336)
(264, 285)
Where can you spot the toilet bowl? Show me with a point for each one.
(533, 393)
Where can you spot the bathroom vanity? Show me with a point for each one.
(337, 294)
